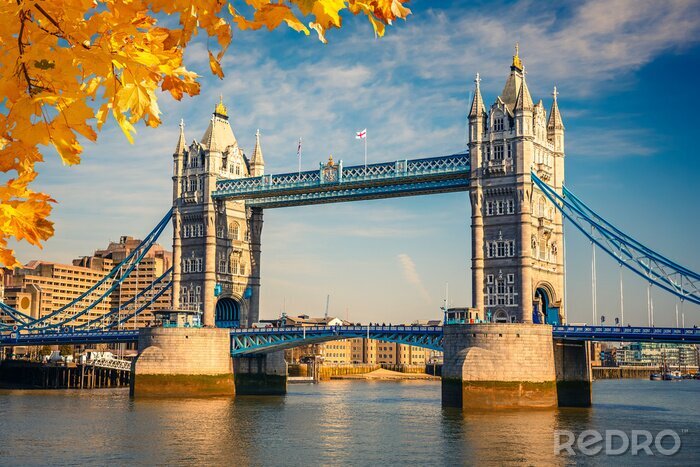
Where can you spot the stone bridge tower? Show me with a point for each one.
(513, 361)
(216, 244)
(517, 241)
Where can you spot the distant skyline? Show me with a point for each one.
(626, 73)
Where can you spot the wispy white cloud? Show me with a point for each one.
(410, 273)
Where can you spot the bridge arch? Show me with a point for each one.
(545, 308)
(501, 316)
(228, 313)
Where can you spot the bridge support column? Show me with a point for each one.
(572, 360)
(493, 365)
(183, 362)
(261, 375)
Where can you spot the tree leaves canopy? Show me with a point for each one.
(67, 66)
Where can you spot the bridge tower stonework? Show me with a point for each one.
(216, 243)
(510, 358)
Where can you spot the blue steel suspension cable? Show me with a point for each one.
(145, 245)
(127, 303)
(629, 240)
(660, 280)
(621, 242)
(137, 312)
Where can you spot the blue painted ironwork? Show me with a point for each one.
(72, 337)
(362, 194)
(643, 261)
(122, 314)
(335, 183)
(263, 340)
(105, 286)
(628, 334)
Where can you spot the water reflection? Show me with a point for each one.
(335, 423)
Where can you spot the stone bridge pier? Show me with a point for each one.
(261, 375)
(513, 365)
(187, 362)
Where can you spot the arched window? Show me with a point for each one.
(540, 206)
(543, 248)
(183, 295)
(233, 230)
(234, 265)
(242, 269)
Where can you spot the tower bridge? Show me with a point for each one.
(513, 171)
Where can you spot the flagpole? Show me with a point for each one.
(299, 156)
(365, 150)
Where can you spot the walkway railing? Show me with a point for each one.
(111, 363)
(335, 177)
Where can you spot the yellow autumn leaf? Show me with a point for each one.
(124, 52)
(215, 66)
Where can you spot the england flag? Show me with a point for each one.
(361, 134)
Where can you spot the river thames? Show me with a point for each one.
(332, 423)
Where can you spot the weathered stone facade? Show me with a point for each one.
(183, 362)
(517, 238)
(498, 366)
(216, 244)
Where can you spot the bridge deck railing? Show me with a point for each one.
(394, 170)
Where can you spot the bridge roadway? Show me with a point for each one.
(246, 341)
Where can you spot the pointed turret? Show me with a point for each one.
(555, 127)
(478, 102)
(524, 99)
(257, 163)
(219, 134)
(181, 143)
(554, 122)
(514, 81)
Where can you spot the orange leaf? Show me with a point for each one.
(215, 66)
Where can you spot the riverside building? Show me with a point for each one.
(41, 287)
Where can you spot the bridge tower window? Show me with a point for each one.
(498, 124)
(233, 230)
(498, 152)
(223, 265)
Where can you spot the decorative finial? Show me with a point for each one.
(517, 63)
(257, 133)
(182, 123)
(477, 80)
(220, 107)
(330, 160)
(555, 93)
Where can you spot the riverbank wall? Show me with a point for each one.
(625, 372)
(326, 371)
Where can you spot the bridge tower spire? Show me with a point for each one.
(215, 242)
(517, 255)
(178, 166)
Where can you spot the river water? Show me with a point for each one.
(333, 423)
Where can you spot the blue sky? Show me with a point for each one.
(626, 72)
